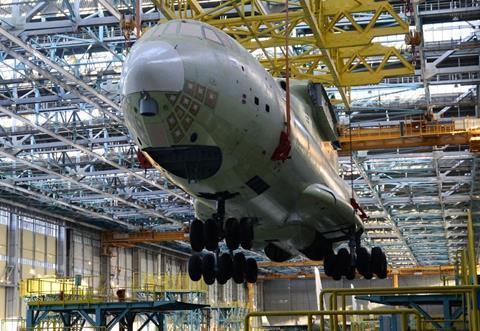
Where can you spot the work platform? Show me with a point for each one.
(454, 306)
(77, 314)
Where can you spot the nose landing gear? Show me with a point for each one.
(222, 267)
(207, 235)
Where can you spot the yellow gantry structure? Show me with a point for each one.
(331, 40)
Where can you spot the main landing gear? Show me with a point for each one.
(221, 266)
(367, 264)
(347, 262)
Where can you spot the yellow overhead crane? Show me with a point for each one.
(329, 53)
(411, 133)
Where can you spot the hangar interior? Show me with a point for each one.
(92, 238)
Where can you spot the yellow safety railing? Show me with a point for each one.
(469, 291)
(334, 314)
(50, 289)
(154, 283)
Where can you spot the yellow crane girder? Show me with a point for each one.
(337, 55)
(251, 14)
(355, 65)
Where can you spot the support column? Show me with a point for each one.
(12, 270)
(395, 279)
(251, 296)
(61, 252)
(105, 270)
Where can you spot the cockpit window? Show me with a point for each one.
(191, 29)
(211, 35)
(171, 28)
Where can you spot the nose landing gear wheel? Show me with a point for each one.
(232, 235)
(210, 235)
(196, 235)
(238, 267)
(208, 269)
(224, 268)
(251, 270)
(246, 233)
(195, 267)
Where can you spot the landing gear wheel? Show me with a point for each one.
(364, 265)
(232, 235)
(329, 263)
(384, 271)
(238, 267)
(251, 270)
(195, 267)
(343, 262)
(377, 261)
(208, 269)
(246, 233)
(224, 268)
(210, 234)
(196, 235)
(381, 260)
(351, 273)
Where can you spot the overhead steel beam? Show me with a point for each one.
(58, 201)
(379, 201)
(111, 8)
(89, 152)
(74, 90)
(47, 214)
(114, 239)
(61, 70)
(139, 206)
(320, 43)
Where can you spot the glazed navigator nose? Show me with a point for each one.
(153, 66)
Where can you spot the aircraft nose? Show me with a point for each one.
(153, 66)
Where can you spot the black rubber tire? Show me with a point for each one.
(351, 273)
(196, 235)
(251, 270)
(276, 254)
(363, 259)
(210, 234)
(225, 266)
(384, 269)
(343, 261)
(238, 268)
(232, 235)
(208, 269)
(246, 233)
(364, 263)
(329, 263)
(377, 261)
(195, 267)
